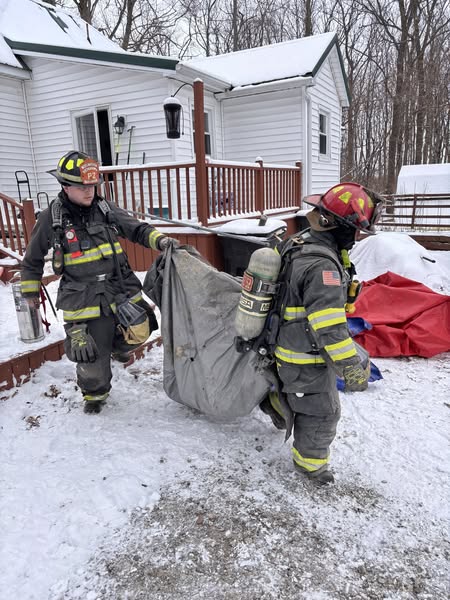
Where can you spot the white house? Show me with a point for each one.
(63, 85)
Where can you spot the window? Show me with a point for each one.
(323, 134)
(87, 140)
(208, 134)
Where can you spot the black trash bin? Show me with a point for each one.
(237, 252)
(301, 222)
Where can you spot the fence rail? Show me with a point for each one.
(14, 235)
(416, 212)
(173, 190)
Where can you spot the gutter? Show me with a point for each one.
(266, 87)
(187, 74)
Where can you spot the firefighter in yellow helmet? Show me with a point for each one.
(104, 312)
(314, 344)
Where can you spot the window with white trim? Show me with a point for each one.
(86, 134)
(324, 136)
(208, 132)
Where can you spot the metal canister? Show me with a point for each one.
(28, 317)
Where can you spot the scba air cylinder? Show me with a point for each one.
(28, 317)
(258, 289)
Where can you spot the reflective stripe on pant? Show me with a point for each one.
(315, 422)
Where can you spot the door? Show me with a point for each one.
(92, 134)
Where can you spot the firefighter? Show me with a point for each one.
(96, 280)
(314, 344)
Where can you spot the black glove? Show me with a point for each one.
(356, 377)
(83, 349)
(165, 242)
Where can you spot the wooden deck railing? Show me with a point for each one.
(417, 212)
(16, 223)
(231, 189)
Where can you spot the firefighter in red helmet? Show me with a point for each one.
(314, 344)
(104, 312)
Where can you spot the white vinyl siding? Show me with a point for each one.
(268, 125)
(325, 168)
(15, 152)
(60, 89)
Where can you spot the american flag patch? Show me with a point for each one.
(331, 278)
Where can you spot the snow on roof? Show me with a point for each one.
(266, 63)
(424, 179)
(36, 22)
(6, 54)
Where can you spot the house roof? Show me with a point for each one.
(287, 60)
(27, 26)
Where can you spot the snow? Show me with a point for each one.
(424, 179)
(399, 253)
(32, 22)
(152, 500)
(6, 54)
(266, 63)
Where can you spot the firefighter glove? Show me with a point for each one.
(356, 377)
(165, 242)
(82, 346)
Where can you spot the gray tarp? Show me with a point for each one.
(202, 369)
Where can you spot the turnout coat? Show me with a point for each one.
(314, 335)
(89, 276)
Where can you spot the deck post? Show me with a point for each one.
(199, 145)
(29, 219)
(298, 184)
(259, 186)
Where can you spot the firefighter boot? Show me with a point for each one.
(122, 357)
(319, 477)
(93, 408)
(271, 406)
(93, 404)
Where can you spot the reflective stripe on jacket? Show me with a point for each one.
(89, 278)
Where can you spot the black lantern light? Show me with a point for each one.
(172, 112)
(119, 125)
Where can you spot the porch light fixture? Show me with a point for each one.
(119, 125)
(172, 112)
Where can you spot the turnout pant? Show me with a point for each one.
(316, 416)
(94, 379)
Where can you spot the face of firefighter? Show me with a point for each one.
(82, 196)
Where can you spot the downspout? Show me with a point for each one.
(30, 138)
(307, 147)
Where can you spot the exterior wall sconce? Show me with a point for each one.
(172, 112)
(119, 125)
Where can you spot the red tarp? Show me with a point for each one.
(408, 318)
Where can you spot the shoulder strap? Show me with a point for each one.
(56, 209)
(56, 212)
(293, 249)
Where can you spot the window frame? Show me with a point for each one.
(209, 113)
(92, 110)
(324, 135)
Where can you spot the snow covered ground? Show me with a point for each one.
(150, 500)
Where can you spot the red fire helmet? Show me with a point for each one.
(351, 203)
